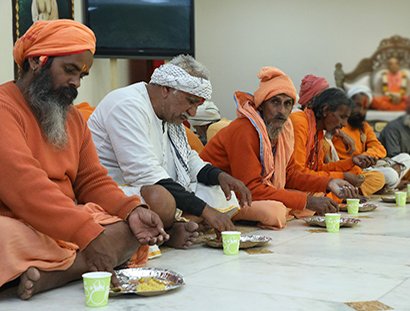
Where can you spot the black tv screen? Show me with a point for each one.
(141, 28)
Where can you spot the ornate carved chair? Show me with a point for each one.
(369, 71)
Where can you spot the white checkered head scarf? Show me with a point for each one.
(177, 78)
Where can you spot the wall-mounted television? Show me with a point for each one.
(141, 28)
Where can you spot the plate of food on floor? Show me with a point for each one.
(363, 207)
(146, 281)
(319, 221)
(247, 241)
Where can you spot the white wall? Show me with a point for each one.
(234, 38)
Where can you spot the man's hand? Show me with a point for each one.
(322, 205)
(342, 188)
(364, 161)
(220, 222)
(228, 184)
(147, 226)
(353, 179)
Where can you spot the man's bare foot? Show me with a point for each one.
(28, 281)
(182, 234)
(34, 281)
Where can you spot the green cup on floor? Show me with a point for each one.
(353, 206)
(230, 242)
(96, 288)
(401, 198)
(332, 222)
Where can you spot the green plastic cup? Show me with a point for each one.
(96, 288)
(401, 198)
(231, 241)
(332, 222)
(353, 206)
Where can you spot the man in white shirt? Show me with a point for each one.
(140, 139)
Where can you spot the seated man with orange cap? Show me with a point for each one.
(60, 213)
(327, 111)
(257, 148)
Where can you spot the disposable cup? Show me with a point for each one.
(353, 206)
(96, 288)
(332, 222)
(401, 198)
(231, 241)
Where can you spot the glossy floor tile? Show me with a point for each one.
(305, 270)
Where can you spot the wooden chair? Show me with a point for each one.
(369, 70)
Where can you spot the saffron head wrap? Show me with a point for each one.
(310, 87)
(54, 38)
(273, 82)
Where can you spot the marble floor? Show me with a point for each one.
(366, 267)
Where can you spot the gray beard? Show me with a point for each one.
(273, 132)
(50, 113)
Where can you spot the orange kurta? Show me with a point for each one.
(301, 130)
(235, 149)
(367, 143)
(41, 185)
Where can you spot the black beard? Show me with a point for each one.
(356, 121)
(50, 107)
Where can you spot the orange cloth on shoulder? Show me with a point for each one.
(193, 141)
(85, 109)
(54, 38)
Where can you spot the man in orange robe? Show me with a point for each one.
(60, 214)
(391, 88)
(257, 149)
(365, 140)
(329, 111)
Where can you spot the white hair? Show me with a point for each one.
(191, 66)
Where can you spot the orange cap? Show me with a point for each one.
(273, 82)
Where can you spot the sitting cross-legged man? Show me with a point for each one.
(257, 148)
(365, 143)
(328, 112)
(60, 213)
(141, 140)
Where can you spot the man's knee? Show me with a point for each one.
(274, 215)
(160, 201)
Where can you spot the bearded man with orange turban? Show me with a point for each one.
(60, 213)
(257, 149)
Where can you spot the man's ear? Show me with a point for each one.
(34, 63)
(325, 110)
(165, 91)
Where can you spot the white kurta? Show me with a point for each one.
(132, 143)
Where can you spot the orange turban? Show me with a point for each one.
(273, 82)
(310, 87)
(54, 38)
